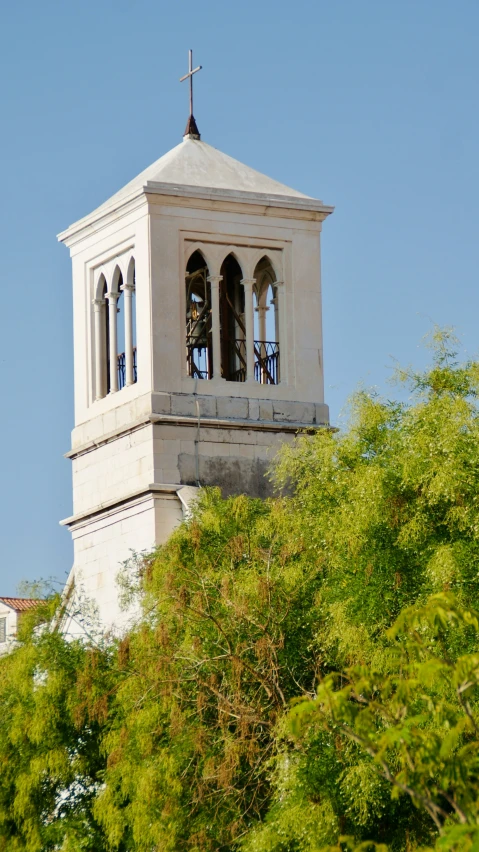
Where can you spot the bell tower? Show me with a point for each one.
(198, 349)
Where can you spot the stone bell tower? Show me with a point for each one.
(198, 349)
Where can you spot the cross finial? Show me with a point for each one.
(191, 128)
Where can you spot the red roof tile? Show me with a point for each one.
(20, 604)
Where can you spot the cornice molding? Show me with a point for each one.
(254, 203)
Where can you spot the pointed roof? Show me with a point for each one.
(195, 168)
(195, 163)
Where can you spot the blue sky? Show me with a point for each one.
(371, 106)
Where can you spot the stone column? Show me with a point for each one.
(261, 309)
(98, 308)
(280, 306)
(215, 310)
(112, 330)
(249, 324)
(128, 290)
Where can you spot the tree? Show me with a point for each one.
(391, 506)
(223, 648)
(413, 725)
(53, 700)
(304, 674)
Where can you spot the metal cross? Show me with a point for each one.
(190, 75)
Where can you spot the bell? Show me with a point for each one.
(198, 332)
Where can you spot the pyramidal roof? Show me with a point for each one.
(195, 163)
(196, 166)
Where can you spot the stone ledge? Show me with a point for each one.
(240, 408)
(277, 426)
(131, 499)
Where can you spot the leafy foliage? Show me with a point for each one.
(305, 673)
(391, 509)
(223, 648)
(50, 740)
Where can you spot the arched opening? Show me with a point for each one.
(117, 287)
(199, 344)
(232, 321)
(105, 356)
(130, 324)
(266, 325)
(115, 330)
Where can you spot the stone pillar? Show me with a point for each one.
(98, 308)
(112, 330)
(261, 309)
(128, 290)
(280, 307)
(215, 310)
(249, 324)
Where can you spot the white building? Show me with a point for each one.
(198, 349)
(11, 613)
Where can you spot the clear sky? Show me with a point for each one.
(371, 106)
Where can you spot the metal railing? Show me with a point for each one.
(239, 375)
(266, 362)
(122, 369)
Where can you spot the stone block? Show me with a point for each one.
(93, 430)
(188, 468)
(265, 453)
(218, 436)
(242, 436)
(253, 409)
(211, 448)
(187, 446)
(265, 409)
(109, 422)
(161, 403)
(294, 412)
(244, 451)
(322, 413)
(232, 407)
(171, 475)
(140, 436)
(267, 438)
(167, 432)
(207, 406)
(183, 404)
(165, 460)
(172, 446)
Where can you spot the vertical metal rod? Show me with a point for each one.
(190, 55)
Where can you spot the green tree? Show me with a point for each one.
(53, 701)
(223, 648)
(391, 507)
(414, 727)
(287, 651)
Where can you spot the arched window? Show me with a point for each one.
(130, 320)
(266, 332)
(115, 331)
(107, 342)
(232, 321)
(199, 348)
(102, 340)
(120, 329)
